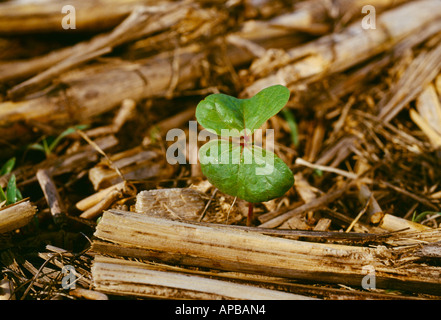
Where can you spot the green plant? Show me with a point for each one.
(234, 164)
(422, 215)
(7, 167)
(12, 194)
(291, 120)
(48, 144)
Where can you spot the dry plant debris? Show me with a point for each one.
(87, 112)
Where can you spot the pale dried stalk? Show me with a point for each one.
(6, 289)
(433, 135)
(438, 85)
(104, 204)
(18, 17)
(134, 26)
(429, 107)
(95, 198)
(120, 276)
(42, 79)
(281, 284)
(95, 90)
(428, 117)
(350, 175)
(423, 69)
(393, 223)
(16, 215)
(337, 52)
(311, 16)
(138, 235)
(173, 203)
(88, 294)
(175, 121)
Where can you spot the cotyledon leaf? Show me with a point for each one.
(264, 105)
(249, 172)
(219, 111)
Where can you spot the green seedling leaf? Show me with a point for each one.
(19, 196)
(220, 111)
(36, 146)
(46, 149)
(47, 145)
(250, 172)
(239, 167)
(43, 146)
(2, 195)
(291, 120)
(11, 191)
(8, 166)
(318, 172)
(65, 133)
(422, 215)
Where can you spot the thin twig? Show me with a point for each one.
(34, 278)
(314, 204)
(231, 207)
(208, 204)
(410, 194)
(360, 214)
(350, 175)
(97, 148)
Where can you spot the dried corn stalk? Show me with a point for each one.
(118, 276)
(16, 215)
(136, 235)
(339, 51)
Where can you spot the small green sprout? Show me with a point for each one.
(291, 120)
(12, 194)
(237, 166)
(48, 144)
(422, 215)
(7, 167)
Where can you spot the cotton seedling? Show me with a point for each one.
(234, 163)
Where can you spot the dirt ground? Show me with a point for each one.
(94, 96)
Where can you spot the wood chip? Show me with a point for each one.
(175, 203)
(16, 215)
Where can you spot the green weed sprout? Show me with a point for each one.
(47, 145)
(12, 194)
